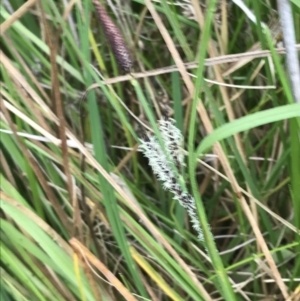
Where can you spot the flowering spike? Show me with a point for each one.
(115, 38)
(162, 166)
(173, 140)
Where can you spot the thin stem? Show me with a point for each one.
(286, 19)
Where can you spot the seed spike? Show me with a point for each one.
(115, 38)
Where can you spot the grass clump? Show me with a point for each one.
(83, 216)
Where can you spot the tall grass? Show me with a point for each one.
(83, 217)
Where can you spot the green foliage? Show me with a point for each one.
(248, 197)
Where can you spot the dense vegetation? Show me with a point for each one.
(83, 217)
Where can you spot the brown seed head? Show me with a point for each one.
(114, 37)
